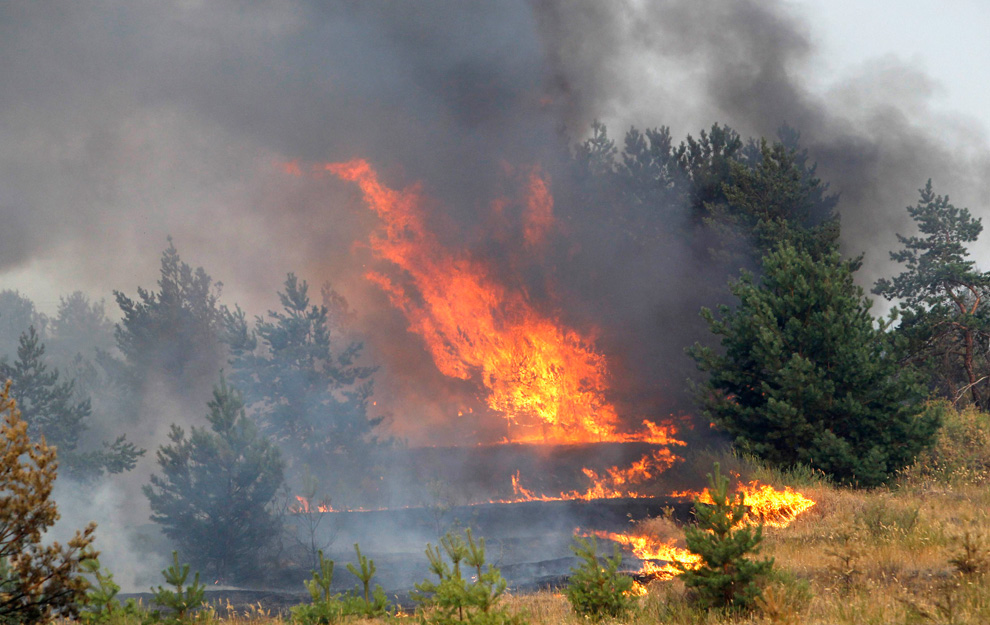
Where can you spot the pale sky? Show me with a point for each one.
(948, 39)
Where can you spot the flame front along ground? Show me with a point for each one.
(768, 506)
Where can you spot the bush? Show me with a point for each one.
(453, 599)
(37, 582)
(961, 453)
(598, 591)
(726, 577)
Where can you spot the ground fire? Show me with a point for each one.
(767, 506)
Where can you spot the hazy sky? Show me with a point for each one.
(946, 40)
(126, 122)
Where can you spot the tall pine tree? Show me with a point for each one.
(50, 408)
(945, 314)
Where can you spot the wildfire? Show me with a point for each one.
(615, 483)
(652, 551)
(305, 507)
(767, 505)
(546, 379)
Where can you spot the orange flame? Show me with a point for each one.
(547, 380)
(616, 483)
(649, 550)
(305, 507)
(767, 505)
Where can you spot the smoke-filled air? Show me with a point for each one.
(277, 278)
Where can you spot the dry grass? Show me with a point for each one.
(885, 556)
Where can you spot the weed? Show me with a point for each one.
(883, 521)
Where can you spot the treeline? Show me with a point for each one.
(285, 398)
(800, 372)
(795, 368)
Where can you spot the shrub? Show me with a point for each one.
(36, 581)
(961, 453)
(598, 590)
(726, 577)
(454, 599)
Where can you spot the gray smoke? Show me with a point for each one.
(125, 122)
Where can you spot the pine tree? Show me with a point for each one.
(804, 377)
(944, 298)
(46, 404)
(170, 339)
(50, 408)
(306, 394)
(597, 591)
(726, 577)
(36, 581)
(776, 197)
(17, 314)
(215, 492)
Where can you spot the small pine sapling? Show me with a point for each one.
(726, 577)
(370, 602)
(972, 559)
(597, 590)
(453, 599)
(183, 600)
(326, 607)
(101, 603)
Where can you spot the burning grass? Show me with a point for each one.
(881, 556)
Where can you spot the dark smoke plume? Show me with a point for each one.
(126, 122)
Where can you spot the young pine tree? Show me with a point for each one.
(727, 577)
(805, 378)
(598, 591)
(214, 495)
